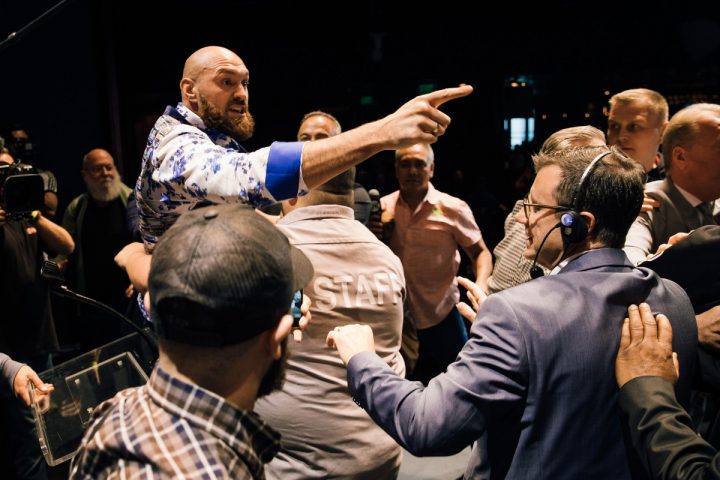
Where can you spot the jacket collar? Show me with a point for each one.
(596, 258)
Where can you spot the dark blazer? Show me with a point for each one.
(694, 264)
(662, 432)
(536, 378)
(651, 229)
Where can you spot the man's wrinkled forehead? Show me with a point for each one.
(213, 60)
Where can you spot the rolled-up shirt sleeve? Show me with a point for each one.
(283, 177)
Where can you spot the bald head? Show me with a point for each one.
(215, 86)
(100, 175)
(207, 58)
(97, 156)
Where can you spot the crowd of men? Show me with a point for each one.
(577, 357)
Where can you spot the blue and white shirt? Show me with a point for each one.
(186, 165)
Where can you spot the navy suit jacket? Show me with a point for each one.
(535, 381)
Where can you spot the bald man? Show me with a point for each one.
(317, 125)
(97, 222)
(193, 156)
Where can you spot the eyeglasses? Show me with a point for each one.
(537, 206)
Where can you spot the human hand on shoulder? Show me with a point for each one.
(649, 204)
(645, 347)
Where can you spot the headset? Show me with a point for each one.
(573, 227)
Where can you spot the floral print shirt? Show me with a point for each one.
(187, 165)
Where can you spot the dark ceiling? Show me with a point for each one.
(97, 73)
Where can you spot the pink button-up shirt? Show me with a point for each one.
(426, 241)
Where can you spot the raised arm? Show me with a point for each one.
(418, 121)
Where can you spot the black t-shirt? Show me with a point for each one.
(26, 323)
(104, 234)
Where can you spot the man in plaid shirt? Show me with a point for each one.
(221, 284)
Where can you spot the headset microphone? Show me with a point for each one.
(535, 271)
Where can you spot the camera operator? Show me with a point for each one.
(27, 331)
(19, 145)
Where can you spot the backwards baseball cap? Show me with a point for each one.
(222, 275)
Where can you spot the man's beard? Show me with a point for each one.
(275, 376)
(240, 128)
(103, 192)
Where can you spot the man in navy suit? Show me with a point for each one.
(534, 388)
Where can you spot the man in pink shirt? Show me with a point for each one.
(425, 228)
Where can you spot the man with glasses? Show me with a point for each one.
(511, 267)
(97, 222)
(534, 387)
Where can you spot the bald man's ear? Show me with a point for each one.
(187, 91)
(678, 158)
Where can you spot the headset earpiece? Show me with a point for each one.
(574, 227)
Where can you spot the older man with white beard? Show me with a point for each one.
(97, 222)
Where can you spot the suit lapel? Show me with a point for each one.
(688, 213)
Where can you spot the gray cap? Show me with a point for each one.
(221, 275)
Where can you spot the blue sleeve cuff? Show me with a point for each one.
(282, 177)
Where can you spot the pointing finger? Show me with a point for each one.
(439, 97)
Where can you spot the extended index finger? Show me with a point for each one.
(439, 97)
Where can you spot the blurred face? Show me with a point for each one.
(412, 169)
(634, 128)
(317, 127)
(223, 96)
(100, 175)
(698, 167)
(539, 220)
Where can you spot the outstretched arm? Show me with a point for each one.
(488, 380)
(418, 121)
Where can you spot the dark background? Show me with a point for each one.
(98, 73)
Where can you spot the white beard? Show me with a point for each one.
(104, 193)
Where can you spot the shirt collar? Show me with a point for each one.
(192, 118)
(317, 211)
(692, 199)
(432, 196)
(564, 263)
(204, 409)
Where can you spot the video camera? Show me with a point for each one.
(22, 190)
